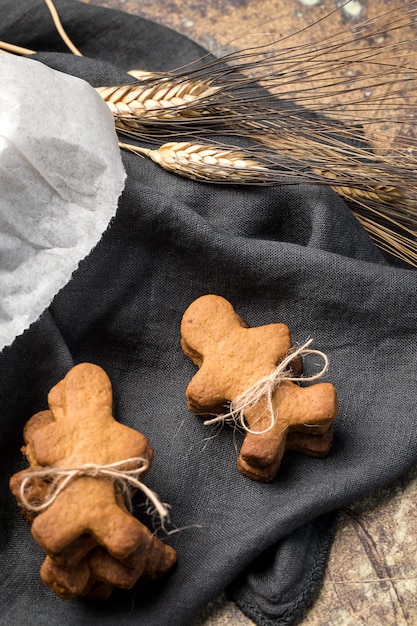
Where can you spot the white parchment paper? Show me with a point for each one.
(61, 175)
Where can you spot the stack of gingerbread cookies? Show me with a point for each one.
(232, 359)
(77, 489)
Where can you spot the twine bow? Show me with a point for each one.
(62, 476)
(263, 389)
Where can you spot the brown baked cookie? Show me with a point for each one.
(231, 358)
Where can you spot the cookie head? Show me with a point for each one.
(230, 355)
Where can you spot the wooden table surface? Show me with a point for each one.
(223, 26)
(371, 576)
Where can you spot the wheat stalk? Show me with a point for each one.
(397, 244)
(7, 47)
(13, 49)
(61, 31)
(224, 163)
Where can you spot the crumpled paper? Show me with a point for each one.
(61, 175)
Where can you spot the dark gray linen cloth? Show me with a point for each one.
(290, 254)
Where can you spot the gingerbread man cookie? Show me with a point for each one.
(232, 358)
(84, 431)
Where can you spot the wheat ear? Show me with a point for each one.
(205, 162)
(164, 98)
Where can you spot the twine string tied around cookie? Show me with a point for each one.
(263, 390)
(62, 476)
